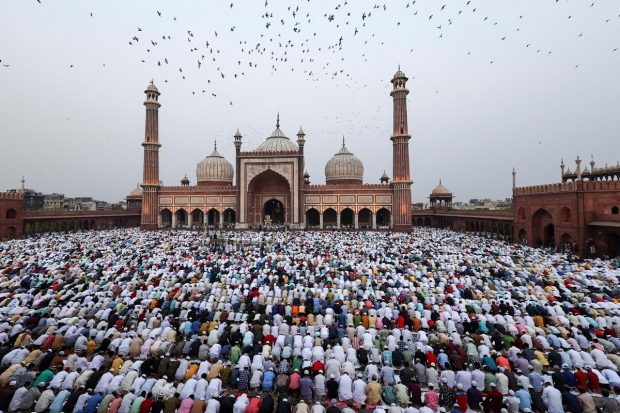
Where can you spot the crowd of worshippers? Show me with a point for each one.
(125, 321)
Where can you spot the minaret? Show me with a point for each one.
(401, 180)
(237, 140)
(562, 168)
(150, 180)
(301, 141)
(514, 178)
(578, 168)
(23, 181)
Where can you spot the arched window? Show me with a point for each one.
(614, 210)
(565, 214)
(11, 214)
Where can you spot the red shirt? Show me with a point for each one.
(317, 366)
(253, 405)
(145, 406)
(593, 382)
(294, 381)
(581, 377)
(269, 339)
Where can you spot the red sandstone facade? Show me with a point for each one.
(11, 215)
(581, 214)
(271, 187)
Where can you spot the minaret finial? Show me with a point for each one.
(215, 145)
(399, 66)
(343, 141)
(278, 121)
(151, 81)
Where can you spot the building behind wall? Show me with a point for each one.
(581, 212)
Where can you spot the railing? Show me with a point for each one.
(327, 187)
(77, 214)
(505, 214)
(568, 187)
(601, 185)
(199, 189)
(545, 189)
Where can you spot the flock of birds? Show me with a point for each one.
(300, 36)
(318, 40)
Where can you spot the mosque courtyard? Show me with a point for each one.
(186, 321)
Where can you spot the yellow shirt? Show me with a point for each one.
(117, 363)
(191, 370)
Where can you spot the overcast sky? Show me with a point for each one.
(479, 104)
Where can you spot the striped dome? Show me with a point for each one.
(344, 166)
(214, 168)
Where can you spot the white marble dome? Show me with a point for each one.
(136, 192)
(214, 169)
(344, 167)
(440, 190)
(277, 142)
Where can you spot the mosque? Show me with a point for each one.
(269, 186)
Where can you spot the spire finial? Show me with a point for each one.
(215, 145)
(151, 81)
(399, 66)
(343, 141)
(278, 121)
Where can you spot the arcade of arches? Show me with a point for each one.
(347, 218)
(493, 226)
(197, 218)
(75, 223)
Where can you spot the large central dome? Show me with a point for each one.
(344, 168)
(277, 142)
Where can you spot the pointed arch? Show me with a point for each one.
(364, 218)
(313, 218)
(346, 218)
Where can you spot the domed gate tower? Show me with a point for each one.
(270, 181)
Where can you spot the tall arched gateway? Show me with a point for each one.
(543, 229)
(269, 199)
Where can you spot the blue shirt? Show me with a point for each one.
(525, 400)
(93, 402)
(537, 381)
(59, 401)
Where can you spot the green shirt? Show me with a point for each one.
(297, 363)
(45, 377)
(235, 353)
(135, 406)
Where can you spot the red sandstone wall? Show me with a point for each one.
(11, 215)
